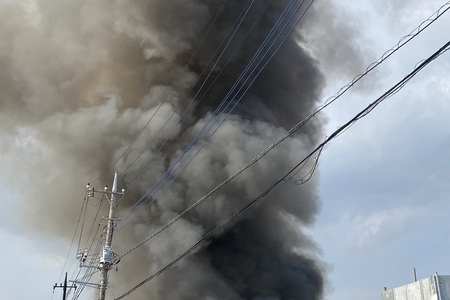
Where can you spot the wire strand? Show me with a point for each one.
(231, 33)
(167, 95)
(402, 42)
(226, 107)
(352, 121)
(201, 98)
(73, 238)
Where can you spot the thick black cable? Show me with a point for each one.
(352, 121)
(398, 46)
(402, 42)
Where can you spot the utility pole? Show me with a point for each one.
(64, 287)
(108, 258)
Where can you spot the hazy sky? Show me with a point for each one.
(383, 183)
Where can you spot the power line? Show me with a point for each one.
(198, 137)
(237, 25)
(73, 238)
(226, 41)
(95, 219)
(85, 206)
(165, 98)
(158, 184)
(308, 175)
(94, 256)
(82, 223)
(89, 272)
(319, 148)
(136, 178)
(402, 42)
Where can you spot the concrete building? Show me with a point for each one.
(436, 287)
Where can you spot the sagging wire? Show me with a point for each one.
(132, 182)
(319, 148)
(73, 238)
(237, 101)
(233, 31)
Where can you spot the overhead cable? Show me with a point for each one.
(351, 122)
(199, 135)
(237, 93)
(402, 42)
(167, 95)
(207, 66)
(73, 238)
(226, 41)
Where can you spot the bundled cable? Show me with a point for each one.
(396, 88)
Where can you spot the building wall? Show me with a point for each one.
(436, 287)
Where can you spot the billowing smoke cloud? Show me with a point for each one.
(80, 79)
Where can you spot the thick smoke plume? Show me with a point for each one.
(79, 80)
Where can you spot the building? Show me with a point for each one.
(436, 287)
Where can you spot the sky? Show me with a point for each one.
(383, 183)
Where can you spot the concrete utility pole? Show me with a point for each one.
(64, 287)
(107, 259)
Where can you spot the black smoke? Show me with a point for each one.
(80, 79)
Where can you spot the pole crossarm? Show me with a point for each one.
(65, 287)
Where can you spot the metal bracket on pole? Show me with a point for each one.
(89, 284)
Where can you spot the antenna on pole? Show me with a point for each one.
(108, 258)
